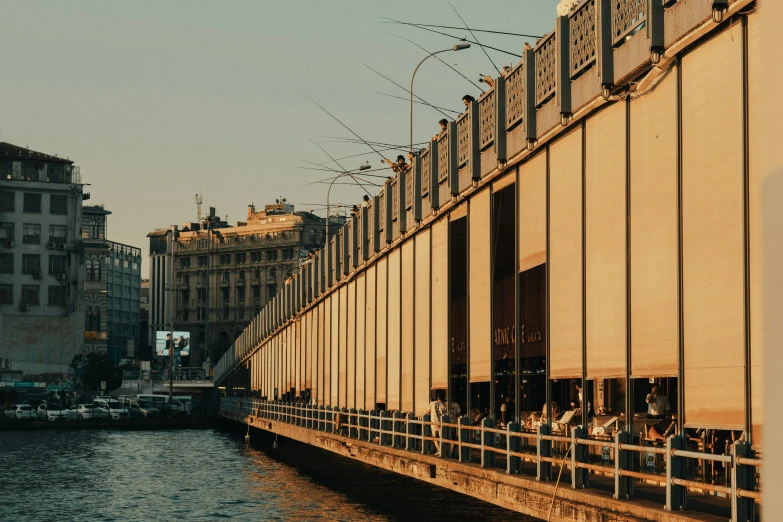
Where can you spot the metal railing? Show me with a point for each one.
(515, 96)
(443, 157)
(425, 172)
(486, 119)
(584, 37)
(610, 457)
(180, 374)
(627, 15)
(546, 68)
(463, 138)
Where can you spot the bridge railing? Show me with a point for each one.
(517, 451)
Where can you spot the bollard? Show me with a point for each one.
(445, 435)
(543, 449)
(463, 435)
(426, 445)
(487, 441)
(675, 468)
(622, 460)
(742, 477)
(513, 444)
(410, 429)
(578, 454)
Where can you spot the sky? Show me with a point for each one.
(156, 100)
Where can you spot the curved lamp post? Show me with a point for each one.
(457, 47)
(344, 173)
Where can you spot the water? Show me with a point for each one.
(205, 475)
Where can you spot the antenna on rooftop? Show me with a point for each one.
(199, 199)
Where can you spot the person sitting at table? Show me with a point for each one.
(555, 412)
(657, 403)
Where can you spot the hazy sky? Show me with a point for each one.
(154, 100)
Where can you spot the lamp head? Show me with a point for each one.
(460, 46)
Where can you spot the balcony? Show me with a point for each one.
(240, 282)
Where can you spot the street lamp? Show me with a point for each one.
(457, 47)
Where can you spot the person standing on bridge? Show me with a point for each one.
(436, 410)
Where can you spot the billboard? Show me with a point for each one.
(181, 341)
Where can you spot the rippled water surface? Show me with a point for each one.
(205, 475)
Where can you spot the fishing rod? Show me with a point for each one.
(452, 36)
(474, 36)
(438, 58)
(406, 90)
(414, 101)
(470, 29)
(344, 125)
(338, 164)
(391, 146)
(360, 154)
(380, 143)
(327, 169)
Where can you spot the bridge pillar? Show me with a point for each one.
(742, 477)
(410, 429)
(543, 449)
(463, 436)
(622, 460)
(513, 464)
(675, 468)
(487, 441)
(578, 454)
(446, 436)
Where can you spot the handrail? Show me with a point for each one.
(409, 433)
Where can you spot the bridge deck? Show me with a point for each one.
(516, 492)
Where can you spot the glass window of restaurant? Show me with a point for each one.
(458, 316)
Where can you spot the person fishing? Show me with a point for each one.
(399, 165)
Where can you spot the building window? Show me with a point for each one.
(288, 253)
(185, 278)
(202, 260)
(256, 274)
(58, 233)
(57, 295)
(6, 169)
(240, 258)
(30, 294)
(31, 263)
(201, 294)
(201, 313)
(241, 275)
(273, 274)
(125, 264)
(31, 233)
(6, 263)
(56, 173)
(57, 264)
(256, 294)
(241, 293)
(225, 259)
(32, 203)
(58, 204)
(6, 231)
(184, 262)
(255, 257)
(29, 172)
(7, 200)
(241, 312)
(226, 277)
(185, 314)
(6, 294)
(225, 312)
(271, 255)
(185, 296)
(226, 294)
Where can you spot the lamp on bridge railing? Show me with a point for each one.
(565, 119)
(606, 90)
(531, 144)
(719, 10)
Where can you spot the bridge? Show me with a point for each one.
(577, 261)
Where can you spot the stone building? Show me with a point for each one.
(223, 275)
(112, 289)
(41, 280)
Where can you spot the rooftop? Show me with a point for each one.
(12, 152)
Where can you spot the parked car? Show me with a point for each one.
(21, 411)
(116, 409)
(51, 412)
(86, 412)
(142, 409)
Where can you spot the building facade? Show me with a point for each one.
(223, 275)
(112, 289)
(41, 280)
